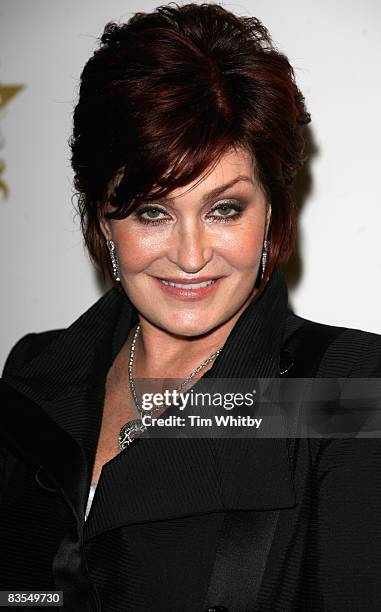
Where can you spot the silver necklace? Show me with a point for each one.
(131, 430)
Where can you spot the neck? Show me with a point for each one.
(161, 354)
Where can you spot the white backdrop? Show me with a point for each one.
(47, 280)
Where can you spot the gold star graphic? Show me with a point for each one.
(7, 92)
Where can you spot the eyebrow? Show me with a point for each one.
(214, 192)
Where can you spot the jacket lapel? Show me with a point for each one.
(161, 479)
(59, 395)
(37, 439)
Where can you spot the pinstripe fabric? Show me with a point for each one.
(151, 537)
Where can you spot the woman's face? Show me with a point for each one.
(210, 232)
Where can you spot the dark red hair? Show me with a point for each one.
(165, 96)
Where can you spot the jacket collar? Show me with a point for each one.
(58, 397)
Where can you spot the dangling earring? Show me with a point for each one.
(265, 249)
(114, 259)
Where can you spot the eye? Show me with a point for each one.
(228, 211)
(152, 215)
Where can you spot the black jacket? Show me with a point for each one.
(264, 525)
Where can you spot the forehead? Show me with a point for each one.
(235, 166)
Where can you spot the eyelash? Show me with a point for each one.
(233, 206)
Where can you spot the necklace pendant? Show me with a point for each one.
(129, 432)
(133, 429)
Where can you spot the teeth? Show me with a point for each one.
(188, 285)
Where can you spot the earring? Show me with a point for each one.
(114, 259)
(265, 249)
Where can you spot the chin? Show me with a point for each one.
(188, 331)
(192, 328)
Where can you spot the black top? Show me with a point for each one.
(162, 511)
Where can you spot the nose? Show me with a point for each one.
(191, 249)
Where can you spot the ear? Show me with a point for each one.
(104, 224)
(268, 219)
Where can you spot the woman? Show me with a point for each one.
(187, 137)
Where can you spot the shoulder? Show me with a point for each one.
(343, 351)
(101, 318)
(27, 348)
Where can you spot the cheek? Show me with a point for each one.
(242, 248)
(136, 249)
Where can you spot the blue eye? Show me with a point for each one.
(150, 215)
(150, 210)
(229, 212)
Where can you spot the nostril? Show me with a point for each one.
(45, 481)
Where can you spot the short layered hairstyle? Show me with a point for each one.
(164, 96)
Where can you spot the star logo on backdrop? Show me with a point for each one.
(7, 93)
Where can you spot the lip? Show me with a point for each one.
(182, 281)
(189, 294)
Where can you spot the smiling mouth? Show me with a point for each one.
(188, 285)
(189, 290)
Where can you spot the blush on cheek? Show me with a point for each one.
(246, 254)
(136, 253)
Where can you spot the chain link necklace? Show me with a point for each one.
(131, 430)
